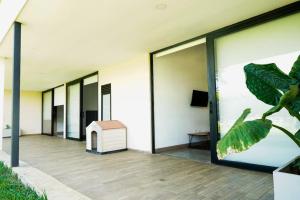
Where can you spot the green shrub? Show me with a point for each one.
(11, 188)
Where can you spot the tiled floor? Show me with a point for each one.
(190, 153)
(134, 175)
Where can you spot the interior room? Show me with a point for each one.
(82, 105)
(89, 102)
(58, 121)
(181, 108)
(58, 111)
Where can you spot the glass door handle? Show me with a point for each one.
(210, 107)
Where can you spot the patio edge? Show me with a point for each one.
(42, 182)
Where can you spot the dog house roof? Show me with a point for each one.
(112, 124)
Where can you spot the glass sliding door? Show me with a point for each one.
(276, 42)
(106, 102)
(89, 102)
(47, 112)
(58, 110)
(74, 110)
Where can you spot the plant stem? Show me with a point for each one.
(288, 134)
(295, 114)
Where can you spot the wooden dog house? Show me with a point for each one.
(106, 136)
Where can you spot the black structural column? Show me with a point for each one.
(16, 96)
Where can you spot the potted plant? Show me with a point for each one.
(273, 87)
(7, 131)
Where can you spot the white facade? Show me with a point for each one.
(30, 111)
(2, 76)
(130, 96)
(130, 84)
(124, 63)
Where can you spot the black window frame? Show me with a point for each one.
(278, 13)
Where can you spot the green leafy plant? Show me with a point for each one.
(273, 87)
(11, 187)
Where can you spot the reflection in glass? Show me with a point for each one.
(73, 111)
(47, 112)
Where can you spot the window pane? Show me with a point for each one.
(106, 107)
(59, 96)
(47, 112)
(274, 42)
(73, 111)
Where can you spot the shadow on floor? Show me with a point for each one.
(190, 154)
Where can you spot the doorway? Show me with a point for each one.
(89, 102)
(47, 112)
(58, 120)
(58, 110)
(82, 105)
(180, 109)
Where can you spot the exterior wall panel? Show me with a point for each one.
(30, 111)
(130, 97)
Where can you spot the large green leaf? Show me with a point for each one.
(242, 135)
(271, 75)
(290, 101)
(295, 105)
(297, 135)
(286, 100)
(262, 91)
(295, 71)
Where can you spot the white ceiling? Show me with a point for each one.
(63, 40)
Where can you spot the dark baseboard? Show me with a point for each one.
(169, 148)
(203, 145)
(103, 153)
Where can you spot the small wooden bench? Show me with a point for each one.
(198, 134)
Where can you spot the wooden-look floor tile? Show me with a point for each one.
(134, 175)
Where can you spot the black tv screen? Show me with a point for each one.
(199, 98)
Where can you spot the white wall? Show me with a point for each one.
(274, 42)
(175, 77)
(30, 111)
(2, 76)
(130, 93)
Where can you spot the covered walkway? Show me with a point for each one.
(137, 175)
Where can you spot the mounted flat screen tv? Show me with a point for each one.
(199, 98)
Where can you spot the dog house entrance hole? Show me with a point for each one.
(94, 140)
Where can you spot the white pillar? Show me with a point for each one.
(2, 76)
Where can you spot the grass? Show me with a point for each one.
(11, 188)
